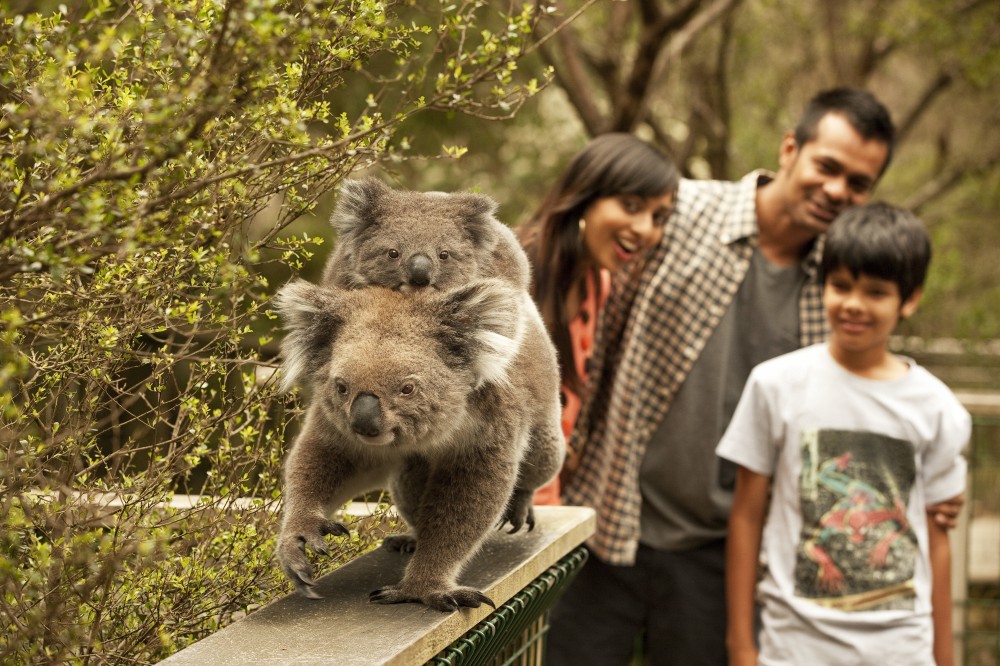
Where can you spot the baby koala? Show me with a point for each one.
(432, 394)
(407, 240)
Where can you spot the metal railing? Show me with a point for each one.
(977, 597)
(515, 632)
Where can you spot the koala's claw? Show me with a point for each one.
(453, 600)
(401, 543)
(390, 594)
(316, 541)
(518, 514)
(334, 528)
(462, 597)
(470, 598)
(307, 590)
(299, 571)
(529, 520)
(294, 560)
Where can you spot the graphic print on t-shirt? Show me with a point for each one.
(857, 550)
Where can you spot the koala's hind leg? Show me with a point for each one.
(401, 543)
(518, 512)
(464, 498)
(544, 457)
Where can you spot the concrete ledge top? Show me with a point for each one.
(344, 628)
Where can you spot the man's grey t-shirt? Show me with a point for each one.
(686, 488)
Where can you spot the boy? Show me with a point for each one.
(848, 443)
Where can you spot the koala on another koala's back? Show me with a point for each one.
(407, 240)
(412, 241)
(421, 393)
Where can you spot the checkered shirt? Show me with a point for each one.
(661, 323)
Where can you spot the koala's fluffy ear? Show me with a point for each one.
(359, 206)
(312, 315)
(477, 211)
(481, 325)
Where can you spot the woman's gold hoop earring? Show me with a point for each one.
(583, 227)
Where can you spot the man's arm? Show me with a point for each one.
(940, 554)
(746, 522)
(946, 513)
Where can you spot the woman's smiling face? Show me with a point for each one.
(620, 228)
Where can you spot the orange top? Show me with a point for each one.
(582, 331)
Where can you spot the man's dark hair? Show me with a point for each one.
(862, 110)
(881, 241)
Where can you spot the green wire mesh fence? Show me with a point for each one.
(514, 633)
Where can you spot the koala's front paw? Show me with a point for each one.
(519, 512)
(448, 601)
(292, 553)
(401, 543)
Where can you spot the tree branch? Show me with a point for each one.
(684, 35)
(934, 89)
(948, 180)
(633, 97)
(876, 45)
(572, 76)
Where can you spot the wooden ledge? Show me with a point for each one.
(344, 628)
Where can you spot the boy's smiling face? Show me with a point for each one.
(863, 311)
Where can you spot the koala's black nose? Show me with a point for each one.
(366, 415)
(418, 270)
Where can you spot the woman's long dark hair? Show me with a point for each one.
(611, 165)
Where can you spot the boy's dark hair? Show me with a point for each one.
(881, 241)
(862, 110)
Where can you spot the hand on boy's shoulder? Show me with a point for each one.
(946, 513)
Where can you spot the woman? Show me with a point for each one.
(603, 214)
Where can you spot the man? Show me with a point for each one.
(733, 283)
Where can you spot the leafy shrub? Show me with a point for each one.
(143, 143)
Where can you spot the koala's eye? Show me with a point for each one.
(341, 388)
(406, 390)
(443, 255)
(394, 253)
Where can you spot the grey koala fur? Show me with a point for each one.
(439, 240)
(433, 393)
(408, 241)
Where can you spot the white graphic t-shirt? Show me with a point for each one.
(853, 464)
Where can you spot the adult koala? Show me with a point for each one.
(409, 241)
(430, 393)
